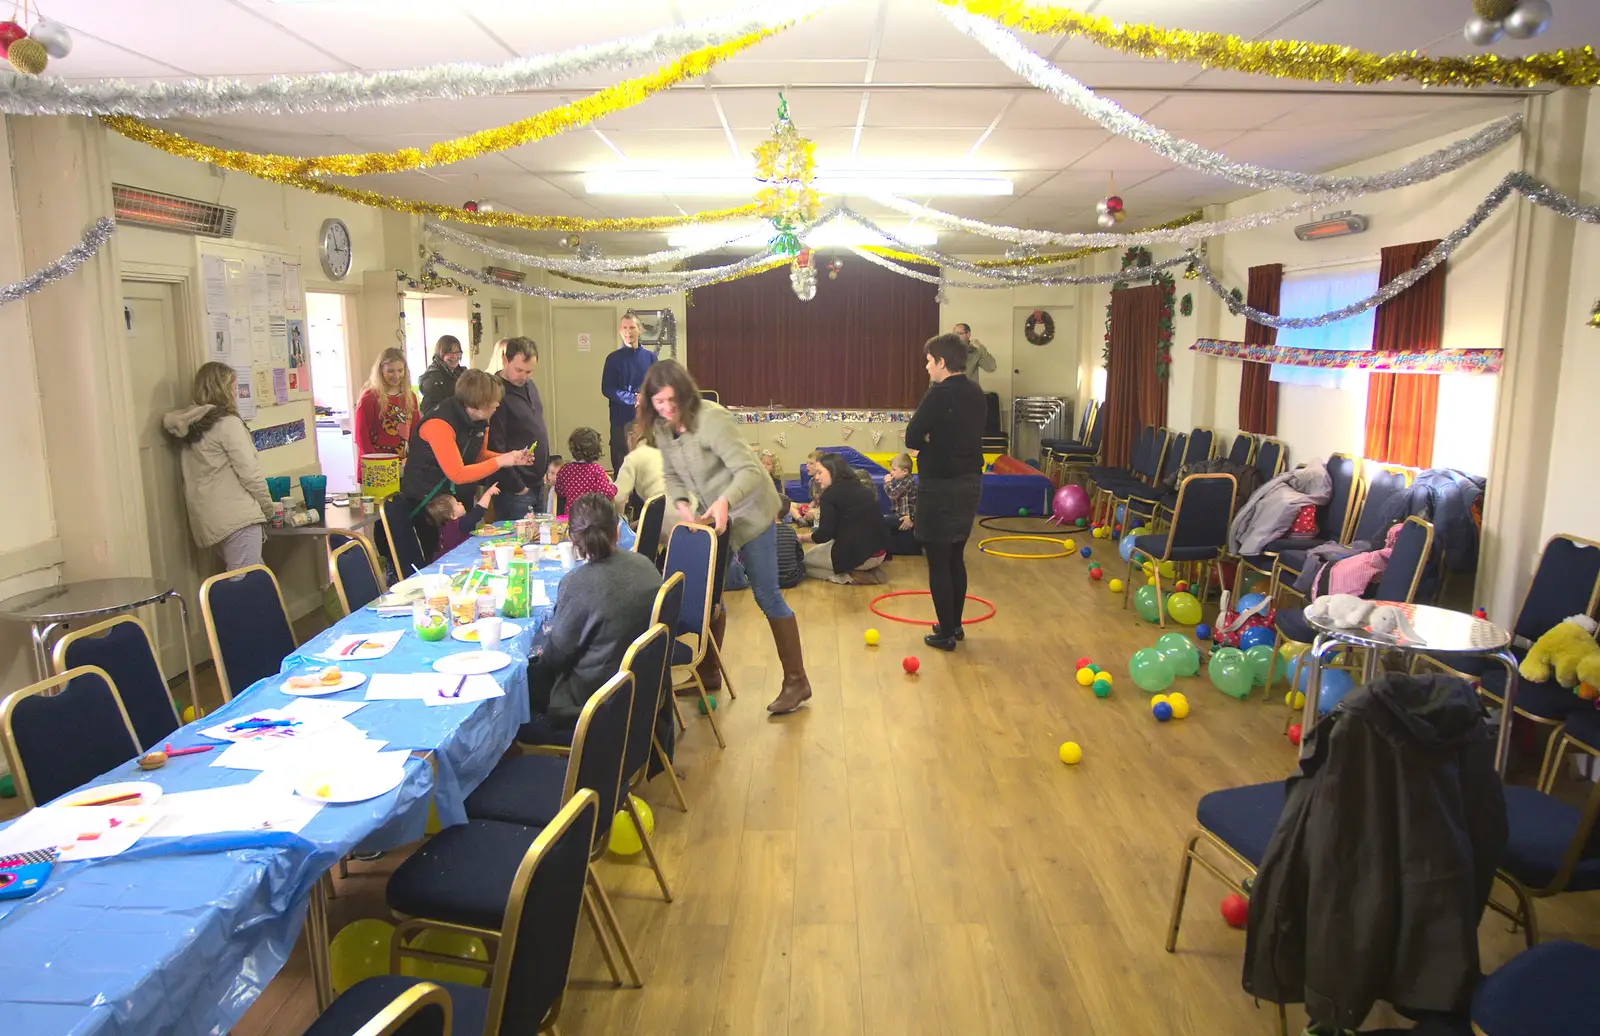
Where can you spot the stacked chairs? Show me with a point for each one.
(64, 732)
(1198, 535)
(1066, 463)
(248, 626)
(121, 648)
(1144, 461)
(1054, 453)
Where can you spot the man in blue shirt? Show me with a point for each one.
(620, 381)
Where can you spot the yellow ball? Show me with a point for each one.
(1179, 705)
(188, 713)
(1070, 753)
(1103, 675)
(1116, 586)
(1069, 545)
(1085, 676)
(1295, 700)
(1158, 699)
(872, 638)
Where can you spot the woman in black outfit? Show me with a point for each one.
(947, 433)
(850, 538)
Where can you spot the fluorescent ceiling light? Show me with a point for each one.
(930, 184)
(836, 234)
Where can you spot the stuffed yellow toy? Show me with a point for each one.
(1569, 650)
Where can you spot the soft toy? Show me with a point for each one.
(1392, 622)
(1346, 611)
(1567, 649)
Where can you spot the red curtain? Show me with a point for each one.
(1402, 409)
(1258, 393)
(858, 343)
(1135, 394)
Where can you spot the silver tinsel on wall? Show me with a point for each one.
(1011, 52)
(618, 267)
(96, 236)
(700, 279)
(343, 91)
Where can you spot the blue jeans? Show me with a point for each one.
(511, 506)
(761, 567)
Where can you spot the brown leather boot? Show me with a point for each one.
(796, 690)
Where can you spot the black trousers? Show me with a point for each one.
(947, 581)
(991, 417)
(619, 447)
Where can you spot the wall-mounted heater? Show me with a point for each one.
(138, 207)
(1335, 224)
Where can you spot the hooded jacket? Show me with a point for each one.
(222, 483)
(1379, 870)
(438, 383)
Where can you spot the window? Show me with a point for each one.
(1308, 293)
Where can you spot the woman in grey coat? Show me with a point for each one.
(704, 457)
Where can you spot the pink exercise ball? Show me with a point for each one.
(1071, 503)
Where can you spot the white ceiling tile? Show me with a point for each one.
(1218, 111)
(674, 147)
(915, 31)
(810, 109)
(1119, 153)
(929, 148)
(781, 74)
(945, 74)
(931, 109)
(1034, 109)
(404, 35)
(678, 109)
(1038, 148)
(251, 44)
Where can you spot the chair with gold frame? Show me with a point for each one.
(646, 659)
(1197, 537)
(521, 794)
(422, 1010)
(1548, 850)
(62, 733)
(533, 931)
(669, 603)
(122, 647)
(405, 550)
(247, 642)
(354, 566)
(692, 552)
(647, 538)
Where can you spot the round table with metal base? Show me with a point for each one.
(1438, 630)
(54, 608)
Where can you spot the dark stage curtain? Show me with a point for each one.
(1402, 409)
(857, 344)
(1135, 395)
(1258, 393)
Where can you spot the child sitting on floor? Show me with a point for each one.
(583, 474)
(553, 504)
(901, 486)
(455, 522)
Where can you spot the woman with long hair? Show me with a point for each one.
(387, 412)
(850, 541)
(226, 496)
(705, 458)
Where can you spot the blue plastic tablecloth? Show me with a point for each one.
(181, 935)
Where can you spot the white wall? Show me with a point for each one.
(996, 318)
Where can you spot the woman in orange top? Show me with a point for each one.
(436, 460)
(386, 413)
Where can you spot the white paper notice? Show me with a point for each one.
(278, 342)
(293, 295)
(583, 342)
(219, 337)
(255, 277)
(214, 274)
(274, 272)
(245, 394)
(239, 340)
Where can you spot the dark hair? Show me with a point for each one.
(592, 526)
(839, 469)
(446, 344)
(440, 509)
(584, 444)
(520, 346)
(964, 327)
(949, 349)
(664, 373)
(555, 459)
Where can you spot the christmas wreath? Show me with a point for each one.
(1040, 328)
(1136, 262)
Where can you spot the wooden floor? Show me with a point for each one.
(908, 855)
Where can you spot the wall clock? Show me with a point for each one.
(333, 247)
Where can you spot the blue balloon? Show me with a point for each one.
(1336, 683)
(1122, 511)
(1202, 632)
(1249, 601)
(1126, 547)
(1256, 635)
(1087, 552)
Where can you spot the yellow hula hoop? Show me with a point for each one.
(1060, 545)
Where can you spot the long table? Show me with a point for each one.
(181, 935)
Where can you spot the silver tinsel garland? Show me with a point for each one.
(619, 267)
(343, 91)
(1531, 188)
(700, 279)
(1010, 51)
(93, 238)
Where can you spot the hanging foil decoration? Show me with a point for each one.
(877, 436)
(786, 165)
(803, 279)
(1016, 252)
(703, 279)
(96, 236)
(588, 251)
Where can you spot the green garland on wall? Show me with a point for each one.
(1138, 258)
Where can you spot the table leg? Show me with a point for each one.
(1502, 749)
(1308, 711)
(41, 655)
(317, 941)
(188, 654)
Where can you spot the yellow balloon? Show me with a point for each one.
(1070, 753)
(1184, 608)
(1085, 676)
(447, 944)
(1292, 649)
(647, 816)
(625, 839)
(188, 713)
(359, 951)
(433, 826)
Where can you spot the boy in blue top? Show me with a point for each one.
(620, 381)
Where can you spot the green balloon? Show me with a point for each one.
(1151, 670)
(1259, 658)
(1173, 641)
(1181, 652)
(1230, 672)
(1147, 604)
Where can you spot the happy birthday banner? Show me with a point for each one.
(1445, 361)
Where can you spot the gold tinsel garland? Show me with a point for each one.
(281, 168)
(1291, 59)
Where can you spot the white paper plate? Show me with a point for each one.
(411, 584)
(347, 681)
(471, 663)
(350, 784)
(469, 634)
(147, 791)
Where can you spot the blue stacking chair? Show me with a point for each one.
(1201, 445)
(1076, 445)
(668, 606)
(531, 913)
(1271, 460)
(521, 794)
(1199, 532)
(646, 659)
(1243, 448)
(122, 647)
(64, 732)
(248, 626)
(1383, 487)
(1238, 823)
(1143, 441)
(692, 552)
(1550, 849)
(1567, 582)
(1397, 585)
(1141, 500)
(1546, 990)
(1335, 519)
(1149, 449)
(423, 1009)
(355, 576)
(648, 538)
(405, 550)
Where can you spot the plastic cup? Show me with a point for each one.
(502, 557)
(489, 633)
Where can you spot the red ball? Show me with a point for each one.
(1182, 586)
(470, 206)
(1236, 910)
(1096, 574)
(910, 663)
(1114, 204)
(1117, 530)
(10, 32)
(1084, 663)
(1294, 734)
